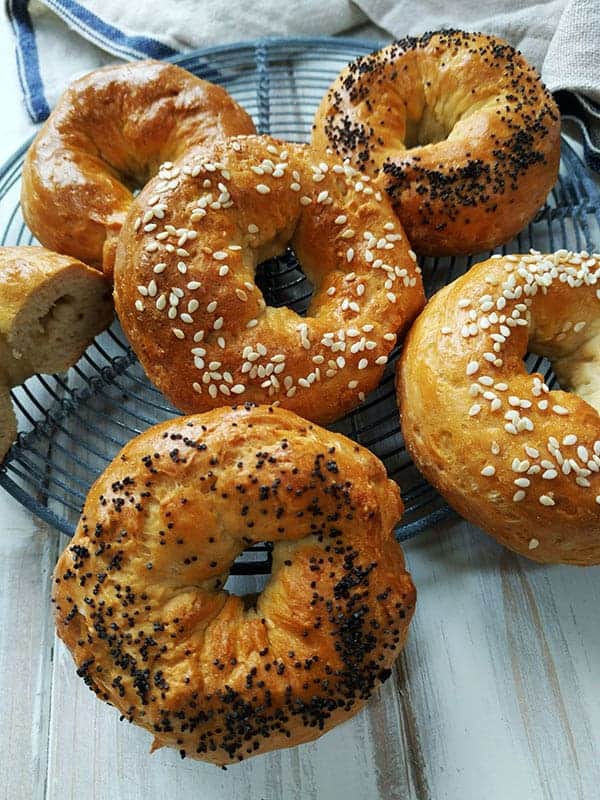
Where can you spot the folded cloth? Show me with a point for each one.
(58, 39)
(559, 37)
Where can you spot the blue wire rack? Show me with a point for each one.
(72, 425)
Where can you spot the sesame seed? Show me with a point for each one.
(223, 270)
(262, 188)
(533, 543)
(549, 474)
(212, 306)
(546, 500)
(218, 323)
(178, 333)
(252, 228)
(488, 471)
(518, 496)
(139, 305)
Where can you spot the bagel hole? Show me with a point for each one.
(536, 364)
(250, 573)
(283, 282)
(580, 376)
(428, 129)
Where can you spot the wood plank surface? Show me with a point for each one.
(496, 695)
(28, 551)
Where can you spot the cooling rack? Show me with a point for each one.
(71, 425)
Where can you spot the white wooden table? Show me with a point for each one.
(496, 696)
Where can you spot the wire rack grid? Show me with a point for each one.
(72, 425)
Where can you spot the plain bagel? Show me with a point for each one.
(52, 307)
(517, 459)
(139, 597)
(107, 135)
(460, 129)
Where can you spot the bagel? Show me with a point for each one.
(515, 458)
(8, 422)
(107, 135)
(460, 130)
(52, 307)
(139, 596)
(185, 290)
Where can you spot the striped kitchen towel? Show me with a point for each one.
(56, 40)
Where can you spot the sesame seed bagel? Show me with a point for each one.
(106, 136)
(185, 289)
(515, 458)
(139, 597)
(461, 131)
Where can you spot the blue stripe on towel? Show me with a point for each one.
(28, 62)
(107, 36)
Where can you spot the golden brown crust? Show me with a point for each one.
(108, 133)
(8, 423)
(139, 592)
(185, 290)
(51, 307)
(460, 129)
(513, 457)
